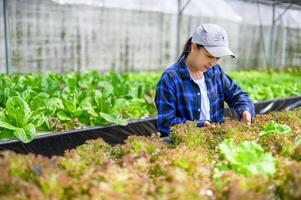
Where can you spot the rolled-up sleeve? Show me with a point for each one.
(235, 97)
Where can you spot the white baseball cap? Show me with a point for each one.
(214, 38)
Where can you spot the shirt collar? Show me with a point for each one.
(183, 70)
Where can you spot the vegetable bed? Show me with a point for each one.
(232, 161)
(36, 104)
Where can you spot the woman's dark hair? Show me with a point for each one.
(187, 47)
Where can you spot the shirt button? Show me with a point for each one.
(199, 94)
(199, 110)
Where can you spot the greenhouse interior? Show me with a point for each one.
(150, 99)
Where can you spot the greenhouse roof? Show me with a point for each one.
(295, 4)
(262, 13)
(206, 8)
(232, 10)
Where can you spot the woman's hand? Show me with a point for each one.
(208, 124)
(246, 118)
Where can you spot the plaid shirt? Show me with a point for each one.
(178, 97)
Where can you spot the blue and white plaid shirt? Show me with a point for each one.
(178, 97)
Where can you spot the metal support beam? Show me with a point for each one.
(179, 23)
(179, 17)
(283, 46)
(6, 38)
(273, 37)
(274, 30)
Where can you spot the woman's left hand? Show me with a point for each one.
(246, 118)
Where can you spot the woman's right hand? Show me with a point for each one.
(208, 124)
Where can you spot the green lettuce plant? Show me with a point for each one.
(19, 121)
(273, 128)
(247, 158)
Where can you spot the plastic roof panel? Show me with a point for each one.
(235, 10)
(295, 4)
(166, 6)
(212, 8)
(204, 8)
(263, 14)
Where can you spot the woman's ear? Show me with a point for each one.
(194, 47)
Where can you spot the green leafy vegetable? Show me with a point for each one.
(273, 128)
(247, 158)
(19, 121)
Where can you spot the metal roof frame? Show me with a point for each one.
(294, 4)
(285, 4)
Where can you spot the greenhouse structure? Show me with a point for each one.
(150, 99)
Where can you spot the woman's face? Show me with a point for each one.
(201, 59)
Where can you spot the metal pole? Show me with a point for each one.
(179, 23)
(178, 28)
(273, 38)
(284, 35)
(284, 40)
(6, 38)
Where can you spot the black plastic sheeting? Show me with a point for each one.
(56, 143)
(264, 107)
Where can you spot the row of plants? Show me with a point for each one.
(228, 161)
(262, 85)
(33, 104)
(36, 104)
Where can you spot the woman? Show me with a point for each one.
(195, 88)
